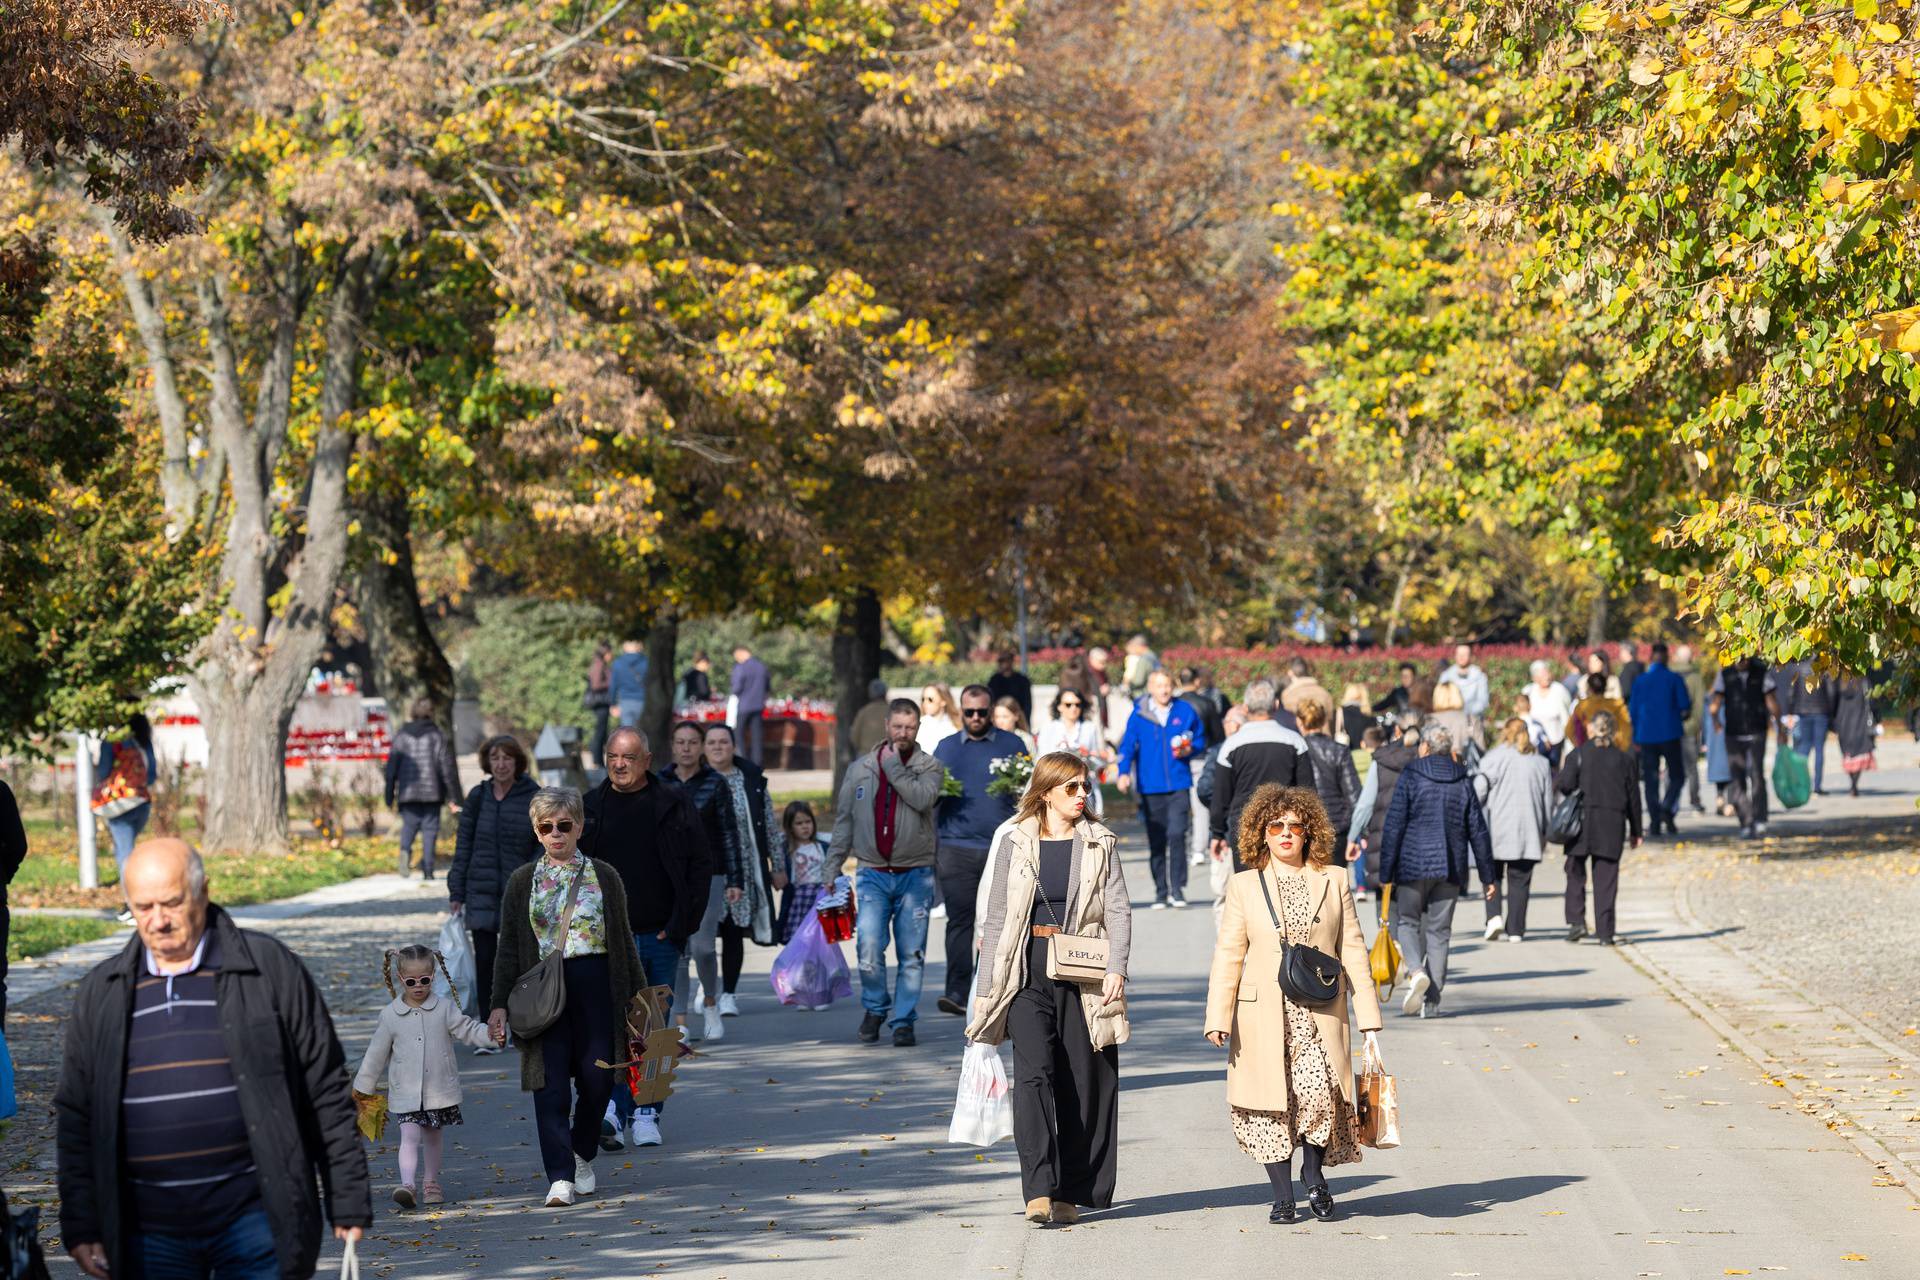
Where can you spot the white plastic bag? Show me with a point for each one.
(350, 1260)
(983, 1110)
(457, 950)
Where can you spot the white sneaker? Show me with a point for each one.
(1514, 937)
(645, 1130)
(715, 1029)
(559, 1195)
(583, 1180)
(1416, 993)
(699, 994)
(689, 1032)
(1159, 906)
(486, 1051)
(1196, 859)
(1496, 928)
(938, 913)
(729, 1007)
(1176, 901)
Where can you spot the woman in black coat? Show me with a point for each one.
(495, 840)
(1605, 777)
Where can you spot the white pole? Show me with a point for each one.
(83, 809)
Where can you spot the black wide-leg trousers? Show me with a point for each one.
(1066, 1094)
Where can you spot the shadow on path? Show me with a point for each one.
(1449, 1200)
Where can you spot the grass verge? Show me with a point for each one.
(49, 876)
(30, 936)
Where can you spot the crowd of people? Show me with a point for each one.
(187, 1150)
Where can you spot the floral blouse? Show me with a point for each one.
(587, 932)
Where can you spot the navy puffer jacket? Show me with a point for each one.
(496, 839)
(1434, 825)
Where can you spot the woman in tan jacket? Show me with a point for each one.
(1289, 1068)
(1055, 871)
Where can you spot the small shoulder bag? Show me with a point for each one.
(1308, 975)
(1071, 957)
(539, 997)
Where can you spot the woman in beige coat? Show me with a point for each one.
(1055, 871)
(1289, 1068)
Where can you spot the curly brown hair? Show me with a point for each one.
(1268, 803)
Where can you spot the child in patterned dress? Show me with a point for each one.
(413, 1045)
(808, 866)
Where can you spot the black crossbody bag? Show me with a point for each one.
(1308, 975)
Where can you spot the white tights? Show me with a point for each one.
(417, 1140)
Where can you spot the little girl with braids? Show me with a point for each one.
(414, 1046)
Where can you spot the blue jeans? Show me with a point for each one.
(1662, 808)
(895, 901)
(1810, 739)
(661, 959)
(126, 829)
(242, 1251)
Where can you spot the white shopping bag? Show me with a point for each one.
(457, 950)
(983, 1109)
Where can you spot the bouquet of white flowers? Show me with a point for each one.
(1010, 775)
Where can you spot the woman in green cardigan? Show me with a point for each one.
(603, 972)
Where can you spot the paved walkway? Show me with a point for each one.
(1568, 1118)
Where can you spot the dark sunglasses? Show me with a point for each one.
(1070, 702)
(1277, 827)
(976, 713)
(417, 982)
(563, 826)
(1074, 788)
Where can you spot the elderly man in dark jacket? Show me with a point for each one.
(204, 1135)
(1434, 825)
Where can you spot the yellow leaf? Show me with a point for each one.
(1763, 575)
(1885, 33)
(1790, 16)
(1845, 74)
(1761, 56)
(1853, 1257)
(1834, 187)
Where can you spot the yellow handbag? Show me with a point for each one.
(1385, 957)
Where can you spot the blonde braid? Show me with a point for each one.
(386, 971)
(452, 990)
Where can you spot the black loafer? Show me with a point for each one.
(1283, 1213)
(1320, 1200)
(870, 1027)
(1575, 932)
(947, 1004)
(903, 1037)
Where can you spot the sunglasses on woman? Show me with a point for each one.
(1070, 704)
(563, 826)
(1074, 788)
(1281, 825)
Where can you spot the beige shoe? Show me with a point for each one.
(403, 1196)
(1065, 1214)
(1038, 1211)
(430, 1194)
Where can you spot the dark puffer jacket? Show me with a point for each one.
(420, 767)
(1336, 781)
(496, 839)
(708, 792)
(1434, 825)
(294, 1092)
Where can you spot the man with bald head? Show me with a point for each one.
(201, 1091)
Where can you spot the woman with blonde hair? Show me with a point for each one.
(1007, 715)
(1057, 893)
(1290, 1064)
(939, 717)
(1515, 786)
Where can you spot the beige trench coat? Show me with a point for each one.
(1243, 993)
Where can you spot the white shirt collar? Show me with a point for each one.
(199, 953)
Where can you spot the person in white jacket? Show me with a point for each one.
(413, 1045)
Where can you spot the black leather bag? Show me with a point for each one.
(20, 1255)
(539, 997)
(1308, 975)
(1563, 827)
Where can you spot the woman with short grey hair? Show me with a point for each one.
(1605, 779)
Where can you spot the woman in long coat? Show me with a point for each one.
(1289, 1068)
(1854, 725)
(1515, 785)
(1610, 813)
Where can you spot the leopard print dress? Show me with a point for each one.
(1320, 1114)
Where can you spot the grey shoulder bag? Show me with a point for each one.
(539, 996)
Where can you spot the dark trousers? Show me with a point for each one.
(1747, 776)
(242, 1250)
(733, 956)
(958, 868)
(486, 945)
(1652, 756)
(1512, 888)
(6, 931)
(1166, 818)
(422, 816)
(1606, 888)
(662, 960)
(1066, 1095)
(602, 726)
(570, 1127)
(752, 732)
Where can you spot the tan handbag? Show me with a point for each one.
(1377, 1102)
(1072, 957)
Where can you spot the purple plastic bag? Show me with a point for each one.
(810, 971)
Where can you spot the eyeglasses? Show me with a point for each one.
(1074, 788)
(975, 713)
(1280, 825)
(417, 982)
(1070, 702)
(563, 826)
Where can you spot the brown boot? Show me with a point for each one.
(1039, 1210)
(1065, 1214)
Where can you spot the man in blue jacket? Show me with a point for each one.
(1659, 708)
(627, 682)
(1434, 825)
(1163, 736)
(966, 825)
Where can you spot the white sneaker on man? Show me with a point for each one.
(583, 1180)
(645, 1130)
(559, 1195)
(1177, 901)
(1416, 993)
(1496, 928)
(729, 1007)
(715, 1029)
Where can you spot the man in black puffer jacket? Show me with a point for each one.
(420, 779)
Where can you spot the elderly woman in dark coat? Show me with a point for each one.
(495, 839)
(1605, 777)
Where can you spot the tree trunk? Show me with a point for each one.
(246, 780)
(407, 662)
(663, 643)
(1597, 619)
(1399, 601)
(856, 665)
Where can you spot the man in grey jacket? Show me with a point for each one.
(885, 819)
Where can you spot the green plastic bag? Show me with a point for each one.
(1791, 782)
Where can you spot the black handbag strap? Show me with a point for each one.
(1279, 928)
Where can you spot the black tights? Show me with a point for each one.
(1280, 1172)
(733, 955)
